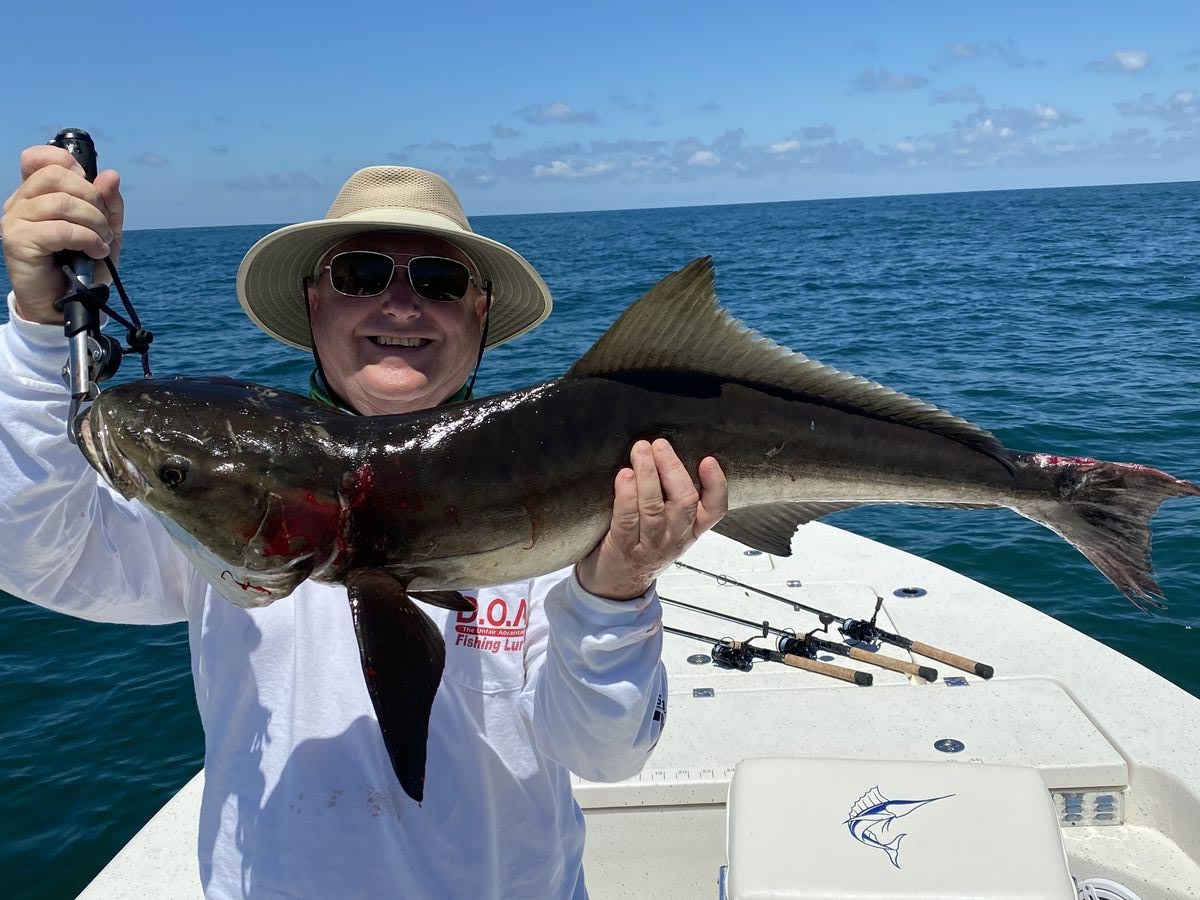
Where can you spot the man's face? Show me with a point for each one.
(355, 336)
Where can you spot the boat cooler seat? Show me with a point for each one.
(821, 829)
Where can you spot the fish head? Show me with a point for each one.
(246, 479)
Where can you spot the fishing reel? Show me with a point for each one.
(93, 357)
(794, 645)
(864, 632)
(726, 656)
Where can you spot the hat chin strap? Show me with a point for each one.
(320, 373)
(342, 404)
(487, 319)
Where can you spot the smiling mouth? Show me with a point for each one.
(380, 340)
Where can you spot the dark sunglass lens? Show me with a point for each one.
(360, 274)
(435, 278)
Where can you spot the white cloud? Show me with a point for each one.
(981, 138)
(1181, 110)
(556, 169)
(274, 181)
(555, 112)
(963, 93)
(986, 129)
(627, 104)
(153, 160)
(1006, 122)
(1047, 116)
(1005, 51)
(1122, 61)
(1132, 60)
(562, 169)
(870, 80)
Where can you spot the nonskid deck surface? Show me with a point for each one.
(1092, 722)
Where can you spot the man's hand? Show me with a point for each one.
(56, 209)
(657, 515)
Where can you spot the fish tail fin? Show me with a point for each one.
(1104, 510)
(893, 849)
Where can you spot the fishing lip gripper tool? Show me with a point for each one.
(93, 357)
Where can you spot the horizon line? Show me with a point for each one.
(580, 212)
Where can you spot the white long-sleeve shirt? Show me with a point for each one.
(299, 796)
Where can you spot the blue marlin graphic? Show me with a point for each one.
(873, 812)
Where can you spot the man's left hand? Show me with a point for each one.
(657, 515)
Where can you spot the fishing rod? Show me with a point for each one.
(730, 654)
(861, 630)
(809, 645)
(93, 357)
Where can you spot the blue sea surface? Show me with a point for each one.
(1064, 320)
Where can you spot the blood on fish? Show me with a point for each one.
(244, 585)
(1047, 459)
(361, 481)
(300, 528)
(535, 527)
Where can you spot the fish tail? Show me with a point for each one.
(893, 849)
(1104, 510)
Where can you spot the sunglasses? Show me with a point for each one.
(367, 273)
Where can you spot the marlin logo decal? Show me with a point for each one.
(873, 814)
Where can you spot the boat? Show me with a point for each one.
(1072, 772)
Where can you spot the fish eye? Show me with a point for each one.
(173, 471)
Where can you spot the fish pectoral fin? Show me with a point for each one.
(402, 655)
(769, 526)
(451, 600)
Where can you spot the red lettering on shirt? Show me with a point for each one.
(490, 627)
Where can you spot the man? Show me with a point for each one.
(397, 298)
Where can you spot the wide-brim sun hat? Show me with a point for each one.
(384, 198)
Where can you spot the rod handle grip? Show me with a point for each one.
(82, 148)
(983, 670)
(896, 665)
(842, 673)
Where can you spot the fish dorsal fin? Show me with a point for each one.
(679, 326)
(868, 800)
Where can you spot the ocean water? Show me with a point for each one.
(1063, 320)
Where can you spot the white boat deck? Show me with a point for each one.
(1089, 720)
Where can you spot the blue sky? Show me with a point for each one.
(231, 113)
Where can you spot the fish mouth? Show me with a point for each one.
(124, 478)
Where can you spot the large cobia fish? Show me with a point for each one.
(265, 489)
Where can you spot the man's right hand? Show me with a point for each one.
(56, 209)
